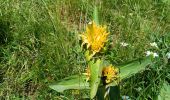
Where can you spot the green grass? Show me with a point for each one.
(39, 44)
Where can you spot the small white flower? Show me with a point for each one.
(124, 44)
(154, 54)
(148, 53)
(168, 55)
(154, 44)
(126, 97)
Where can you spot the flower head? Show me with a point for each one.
(125, 97)
(95, 36)
(154, 54)
(168, 55)
(87, 73)
(123, 44)
(154, 44)
(148, 53)
(110, 73)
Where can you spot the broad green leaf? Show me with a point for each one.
(127, 71)
(164, 92)
(95, 71)
(134, 67)
(95, 15)
(72, 82)
(78, 82)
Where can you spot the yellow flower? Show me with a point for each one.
(110, 73)
(87, 74)
(95, 36)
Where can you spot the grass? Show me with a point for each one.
(39, 43)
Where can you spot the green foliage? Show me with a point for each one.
(113, 93)
(164, 92)
(39, 44)
(72, 82)
(134, 67)
(78, 82)
(96, 72)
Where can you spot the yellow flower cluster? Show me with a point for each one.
(87, 74)
(110, 73)
(95, 36)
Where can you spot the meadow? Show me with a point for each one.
(40, 44)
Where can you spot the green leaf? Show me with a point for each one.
(78, 82)
(134, 67)
(95, 71)
(95, 15)
(72, 82)
(164, 92)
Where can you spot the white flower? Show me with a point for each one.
(148, 53)
(154, 44)
(168, 55)
(154, 54)
(124, 44)
(125, 97)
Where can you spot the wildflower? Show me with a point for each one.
(148, 53)
(168, 55)
(95, 37)
(110, 73)
(124, 44)
(125, 97)
(87, 74)
(155, 55)
(154, 44)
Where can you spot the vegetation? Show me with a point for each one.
(40, 45)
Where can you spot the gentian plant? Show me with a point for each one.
(101, 77)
